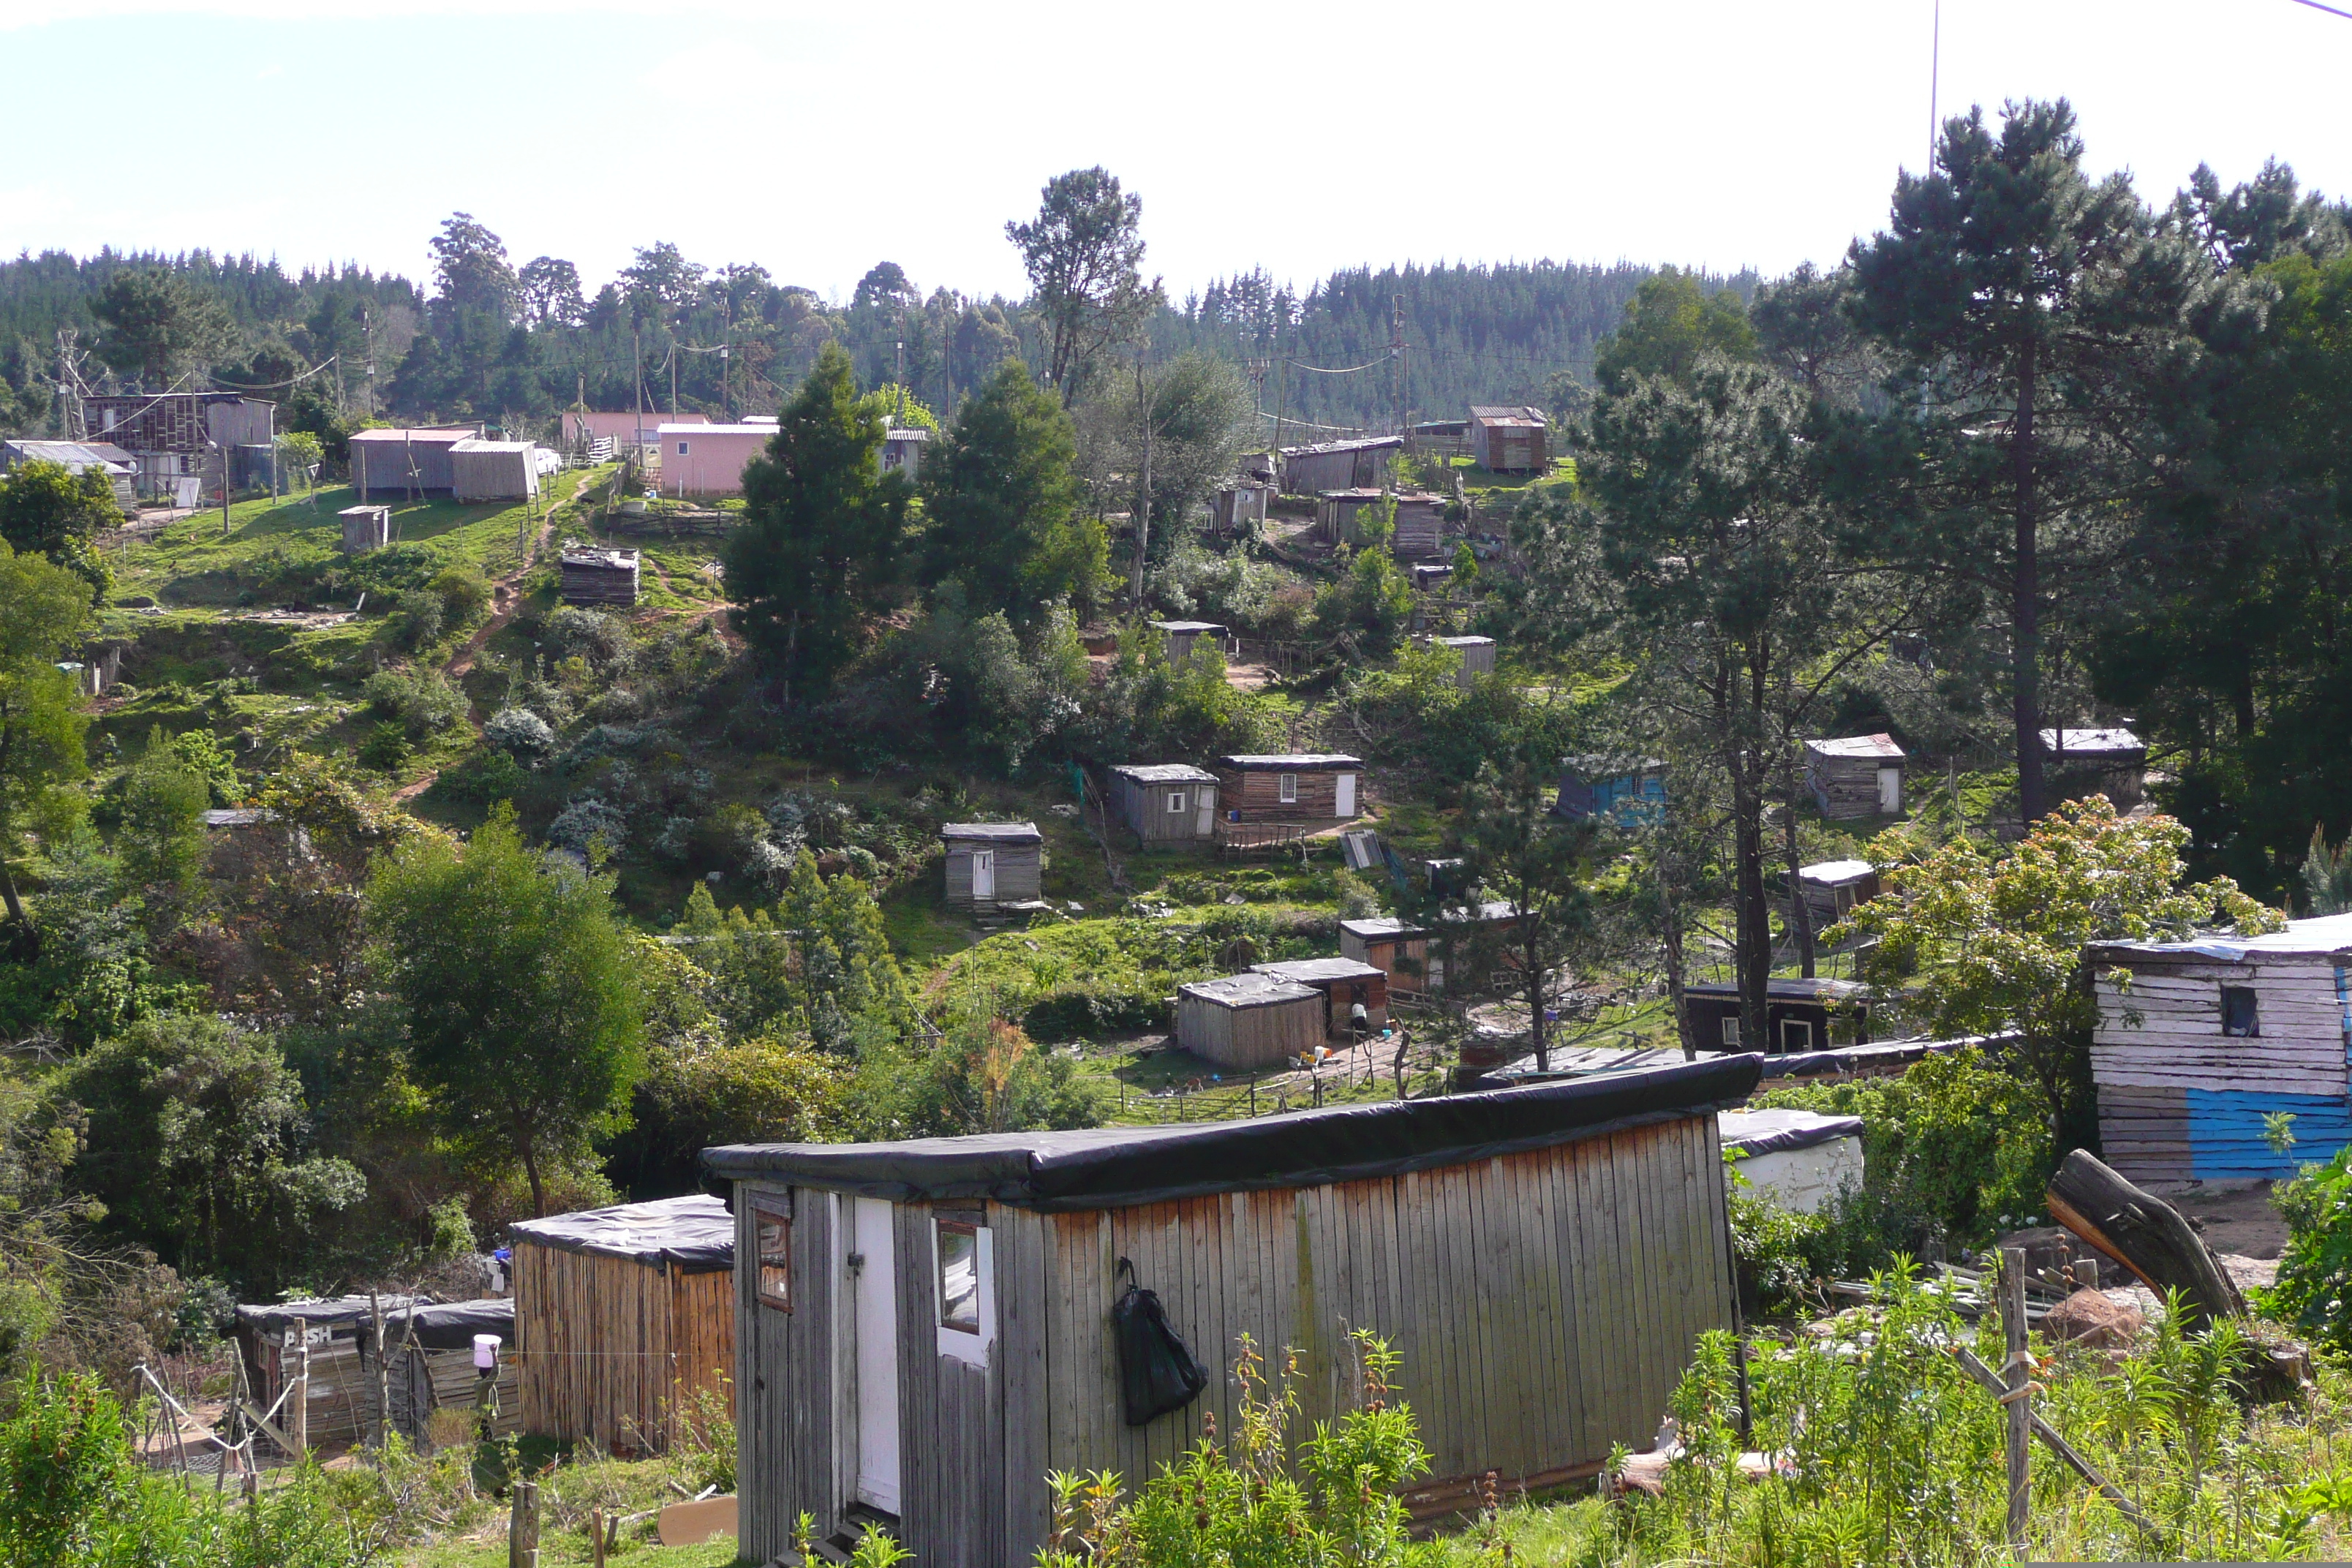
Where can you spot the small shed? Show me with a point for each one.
(1626, 790)
(1506, 440)
(2110, 761)
(1335, 513)
(428, 1351)
(1338, 465)
(592, 576)
(365, 528)
(1249, 1023)
(1344, 983)
(2215, 1033)
(1397, 948)
(1861, 775)
(1184, 635)
(1801, 1015)
(1166, 803)
(406, 462)
(77, 457)
(902, 451)
(992, 863)
(1293, 786)
(1799, 1159)
(925, 1326)
(493, 470)
(1832, 888)
(1420, 528)
(1477, 657)
(1239, 509)
(269, 1338)
(625, 1316)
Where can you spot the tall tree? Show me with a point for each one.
(1083, 252)
(816, 552)
(155, 323)
(525, 1019)
(162, 841)
(549, 290)
(2026, 302)
(44, 615)
(1002, 504)
(469, 264)
(1670, 323)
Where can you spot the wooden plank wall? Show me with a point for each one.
(1844, 786)
(790, 1387)
(702, 1336)
(1018, 870)
(594, 1335)
(952, 1418)
(1257, 793)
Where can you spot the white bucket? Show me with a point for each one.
(486, 1352)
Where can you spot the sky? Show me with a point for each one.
(817, 140)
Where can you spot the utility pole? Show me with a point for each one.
(673, 381)
(638, 385)
(1396, 369)
(1143, 502)
(902, 369)
(367, 332)
(1935, 81)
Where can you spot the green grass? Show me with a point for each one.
(567, 1546)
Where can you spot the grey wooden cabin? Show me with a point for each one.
(593, 576)
(2111, 761)
(1508, 440)
(1335, 513)
(1291, 786)
(365, 528)
(1183, 636)
(1398, 949)
(1345, 983)
(1478, 655)
(1249, 1023)
(1832, 888)
(1338, 465)
(1166, 803)
(1860, 775)
(924, 1326)
(1239, 509)
(992, 863)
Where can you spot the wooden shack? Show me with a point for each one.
(2110, 761)
(1338, 465)
(1344, 983)
(1239, 509)
(1505, 440)
(493, 470)
(340, 1410)
(924, 1326)
(2215, 1033)
(1183, 636)
(1625, 790)
(992, 863)
(1166, 803)
(1477, 655)
(592, 576)
(365, 528)
(903, 449)
(624, 1316)
(1398, 949)
(1249, 1023)
(1861, 775)
(1801, 1015)
(406, 462)
(428, 1352)
(1298, 786)
(1832, 888)
(1335, 513)
(1420, 521)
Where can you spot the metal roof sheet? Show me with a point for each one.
(1289, 761)
(2112, 741)
(1859, 746)
(401, 436)
(999, 832)
(2322, 936)
(1164, 773)
(1251, 990)
(84, 454)
(1383, 928)
(1187, 626)
(1754, 1133)
(1835, 871)
(1308, 971)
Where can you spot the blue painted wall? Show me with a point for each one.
(2225, 1132)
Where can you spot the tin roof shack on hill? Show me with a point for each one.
(622, 1317)
(1166, 803)
(993, 863)
(1832, 889)
(1398, 949)
(341, 1409)
(1183, 636)
(2213, 1035)
(1249, 1023)
(1477, 655)
(395, 464)
(1626, 790)
(77, 457)
(1238, 509)
(1335, 513)
(1802, 1015)
(1307, 787)
(592, 576)
(1505, 440)
(492, 470)
(2110, 761)
(902, 450)
(1799, 1159)
(925, 1326)
(1339, 465)
(1861, 775)
(365, 528)
(1345, 983)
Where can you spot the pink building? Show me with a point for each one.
(707, 460)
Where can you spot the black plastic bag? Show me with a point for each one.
(1157, 1373)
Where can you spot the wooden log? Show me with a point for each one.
(1991, 1382)
(2018, 1398)
(2143, 1233)
(522, 1527)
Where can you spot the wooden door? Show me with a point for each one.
(1346, 789)
(1205, 822)
(1890, 791)
(877, 1327)
(983, 874)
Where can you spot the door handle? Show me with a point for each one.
(857, 1263)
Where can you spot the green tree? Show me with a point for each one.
(155, 323)
(162, 841)
(47, 509)
(1980, 945)
(815, 555)
(1671, 324)
(1365, 614)
(1083, 252)
(525, 1018)
(44, 613)
(1002, 504)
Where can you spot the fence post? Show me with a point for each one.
(2018, 1398)
(596, 1537)
(522, 1527)
(297, 1419)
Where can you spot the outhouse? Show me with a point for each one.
(1799, 1159)
(2215, 1033)
(1335, 513)
(992, 863)
(1626, 790)
(1295, 786)
(1345, 983)
(1832, 888)
(1398, 949)
(1861, 775)
(1249, 1023)
(1508, 440)
(1476, 656)
(592, 576)
(903, 449)
(493, 470)
(624, 1319)
(1800, 1014)
(926, 1327)
(1239, 509)
(1183, 636)
(1420, 528)
(2110, 761)
(1166, 803)
(365, 528)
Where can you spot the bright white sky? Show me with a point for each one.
(818, 140)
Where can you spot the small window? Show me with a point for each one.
(2239, 1018)
(1796, 1035)
(959, 1251)
(1290, 789)
(681, 448)
(772, 1231)
(1176, 803)
(1731, 1034)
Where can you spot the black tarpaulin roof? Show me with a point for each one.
(452, 1325)
(695, 1231)
(276, 1317)
(1112, 1167)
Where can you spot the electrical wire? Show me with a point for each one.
(2331, 10)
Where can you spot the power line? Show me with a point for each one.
(2331, 10)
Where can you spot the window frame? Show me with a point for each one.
(682, 446)
(1287, 788)
(1788, 1025)
(941, 1228)
(771, 1283)
(2253, 1017)
(1179, 802)
(1730, 1033)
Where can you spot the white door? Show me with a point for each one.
(878, 1355)
(1206, 822)
(983, 873)
(1890, 791)
(1347, 794)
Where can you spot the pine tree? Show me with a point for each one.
(1002, 504)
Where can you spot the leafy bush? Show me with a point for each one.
(386, 749)
(416, 623)
(487, 775)
(1232, 589)
(2314, 1273)
(1086, 1014)
(602, 640)
(423, 701)
(984, 1075)
(464, 592)
(589, 826)
(520, 734)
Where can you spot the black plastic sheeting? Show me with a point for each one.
(452, 1325)
(1112, 1167)
(693, 1232)
(275, 1318)
(1754, 1133)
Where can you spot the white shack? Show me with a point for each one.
(1799, 1159)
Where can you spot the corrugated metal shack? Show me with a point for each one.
(1832, 888)
(926, 1327)
(492, 470)
(1861, 775)
(1477, 657)
(1800, 1014)
(1166, 803)
(1238, 509)
(2111, 761)
(1184, 635)
(624, 1316)
(1292, 786)
(1343, 983)
(2215, 1033)
(992, 863)
(399, 463)
(1505, 440)
(1397, 948)
(77, 457)
(1627, 790)
(592, 576)
(428, 1351)
(365, 528)
(1338, 465)
(902, 451)
(1249, 1023)
(1335, 513)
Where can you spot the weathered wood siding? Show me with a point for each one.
(1249, 1039)
(1020, 868)
(1257, 793)
(953, 1438)
(792, 1370)
(610, 1347)
(1404, 960)
(1144, 808)
(1844, 787)
(1420, 524)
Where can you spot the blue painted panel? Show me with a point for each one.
(2225, 1132)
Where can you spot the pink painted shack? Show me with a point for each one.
(707, 460)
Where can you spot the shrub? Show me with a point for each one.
(2314, 1273)
(465, 595)
(423, 700)
(1084, 1014)
(520, 734)
(591, 827)
(386, 749)
(601, 639)
(487, 775)
(416, 624)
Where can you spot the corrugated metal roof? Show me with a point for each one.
(2328, 934)
(1307, 970)
(1817, 990)
(1463, 642)
(73, 453)
(2094, 742)
(617, 560)
(1835, 871)
(1859, 746)
(1255, 763)
(399, 438)
(1252, 990)
(1497, 414)
(1164, 773)
(1375, 443)
(1381, 928)
(478, 444)
(1188, 627)
(999, 832)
